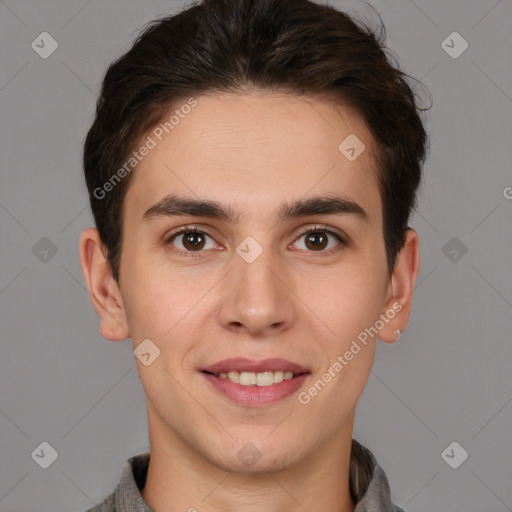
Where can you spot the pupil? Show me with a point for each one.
(316, 239)
(317, 236)
(193, 239)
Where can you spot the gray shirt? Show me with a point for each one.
(369, 485)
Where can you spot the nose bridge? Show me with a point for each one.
(257, 297)
(255, 282)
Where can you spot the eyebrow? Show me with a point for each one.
(174, 205)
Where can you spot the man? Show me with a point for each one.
(252, 168)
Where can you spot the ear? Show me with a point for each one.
(103, 289)
(400, 288)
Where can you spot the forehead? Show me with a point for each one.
(254, 150)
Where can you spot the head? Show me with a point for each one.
(245, 106)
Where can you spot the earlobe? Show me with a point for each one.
(103, 290)
(398, 304)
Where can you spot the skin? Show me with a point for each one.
(252, 151)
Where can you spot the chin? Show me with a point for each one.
(261, 467)
(253, 459)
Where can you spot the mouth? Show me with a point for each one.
(265, 378)
(255, 383)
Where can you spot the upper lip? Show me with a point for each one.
(241, 364)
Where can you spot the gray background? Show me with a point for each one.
(447, 379)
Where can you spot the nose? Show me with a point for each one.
(257, 297)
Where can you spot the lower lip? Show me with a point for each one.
(256, 395)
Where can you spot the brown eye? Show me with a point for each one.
(318, 239)
(189, 240)
(193, 241)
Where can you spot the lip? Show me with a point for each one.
(241, 364)
(255, 396)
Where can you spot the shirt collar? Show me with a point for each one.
(369, 485)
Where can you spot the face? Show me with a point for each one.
(254, 281)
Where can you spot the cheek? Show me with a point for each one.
(351, 301)
(161, 301)
(350, 354)
(352, 314)
(157, 310)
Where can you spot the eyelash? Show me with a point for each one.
(315, 229)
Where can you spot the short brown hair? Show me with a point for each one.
(230, 45)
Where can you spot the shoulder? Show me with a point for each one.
(126, 497)
(105, 506)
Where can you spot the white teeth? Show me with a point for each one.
(247, 378)
(278, 376)
(234, 377)
(257, 379)
(265, 379)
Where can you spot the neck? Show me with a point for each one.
(181, 479)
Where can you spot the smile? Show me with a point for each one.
(265, 378)
(255, 389)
